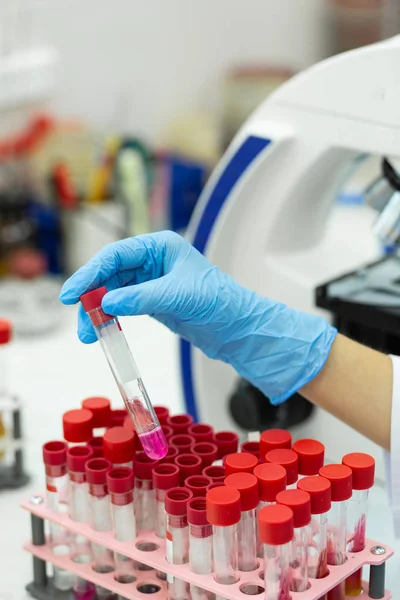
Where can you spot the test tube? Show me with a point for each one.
(179, 423)
(200, 545)
(100, 408)
(119, 446)
(165, 477)
(288, 460)
(207, 451)
(247, 486)
(227, 443)
(240, 462)
(198, 484)
(310, 454)
(120, 483)
(100, 517)
(162, 413)
(271, 480)
(275, 526)
(145, 499)
(109, 333)
(201, 432)
(363, 473)
(319, 490)
(177, 539)
(97, 446)
(223, 513)
(81, 552)
(78, 426)
(340, 478)
(183, 442)
(274, 439)
(189, 464)
(215, 472)
(300, 504)
(251, 448)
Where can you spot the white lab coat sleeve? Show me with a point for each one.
(392, 460)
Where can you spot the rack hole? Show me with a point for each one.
(161, 575)
(81, 559)
(251, 589)
(148, 588)
(125, 578)
(313, 573)
(103, 568)
(251, 570)
(141, 566)
(147, 546)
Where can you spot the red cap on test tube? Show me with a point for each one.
(201, 432)
(96, 471)
(180, 423)
(162, 413)
(78, 425)
(247, 486)
(143, 466)
(197, 513)
(96, 444)
(299, 502)
(363, 469)
(54, 453)
(167, 431)
(189, 464)
(288, 460)
(165, 476)
(100, 408)
(223, 506)
(77, 457)
(215, 484)
(207, 451)
(227, 442)
(117, 417)
(182, 441)
(172, 453)
(176, 501)
(215, 472)
(311, 456)
(273, 439)
(198, 484)
(5, 331)
(271, 480)
(120, 480)
(340, 478)
(275, 525)
(251, 448)
(319, 489)
(240, 462)
(119, 446)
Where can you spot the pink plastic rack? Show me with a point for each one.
(150, 550)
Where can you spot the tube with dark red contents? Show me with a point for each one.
(179, 423)
(130, 384)
(177, 539)
(101, 409)
(274, 439)
(183, 442)
(200, 544)
(363, 470)
(275, 526)
(240, 462)
(201, 432)
(251, 448)
(310, 455)
(162, 413)
(247, 486)
(198, 484)
(145, 498)
(207, 451)
(189, 464)
(223, 513)
(215, 472)
(165, 477)
(96, 445)
(119, 446)
(78, 426)
(227, 442)
(289, 461)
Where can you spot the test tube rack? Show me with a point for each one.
(150, 550)
(12, 473)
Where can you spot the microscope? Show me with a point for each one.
(265, 217)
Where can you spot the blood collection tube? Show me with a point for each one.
(179, 423)
(251, 448)
(227, 443)
(162, 413)
(117, 417)
(319, 490)
(198, 484)
(126, 374)
(170, 456)
(207, 451)
(119, 446)
(271, 480)
(200, 545)
(275, 526)
(201, 432)
(240, 462)
(310, 454)
(288, 460)
(214, 472)
(223, 513)
(120, 483)
(363, 473)
(78, 426)
(100, 407)
(274, 439)
(340, 478)
(145, 499)
(97, 446)
(183, 442)
(189, 464)
(177, 539)
(165, 477)
(5, 339)
(247, 486)
(300, 504)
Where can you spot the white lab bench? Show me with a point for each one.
(53, 374)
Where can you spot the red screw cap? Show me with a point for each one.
(223, 506)
(182, 441)
(5, 331)
(100, 408)
(176, 501)
(300, 504)
(117, 417)
(363, 469)
(120, 480)
(288, 460)
(196, 512)
(180, 423)
(96, 471)
(251, 448)
(92, 300)
(227, 443)
(168, 431)
(311, 456)
(214, 472)
(165, 476)
(247, 486)
(206, 451)
(169, 458)
(273, 439)
(119, 445)
(275, 525)
(96, 444)
(319, 489)
(162, 413)
(77, 457)
(54, 453)
(189, 464)
(143, 466)
(340, 478)
(78, 425)
(201, 432)
(240, 462)
(198, 484)
(271, 480)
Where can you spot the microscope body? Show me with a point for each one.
(265, 214)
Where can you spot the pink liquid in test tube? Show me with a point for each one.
(126, 374)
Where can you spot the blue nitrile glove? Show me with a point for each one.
(276, 348)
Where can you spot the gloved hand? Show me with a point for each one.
(276, 348)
